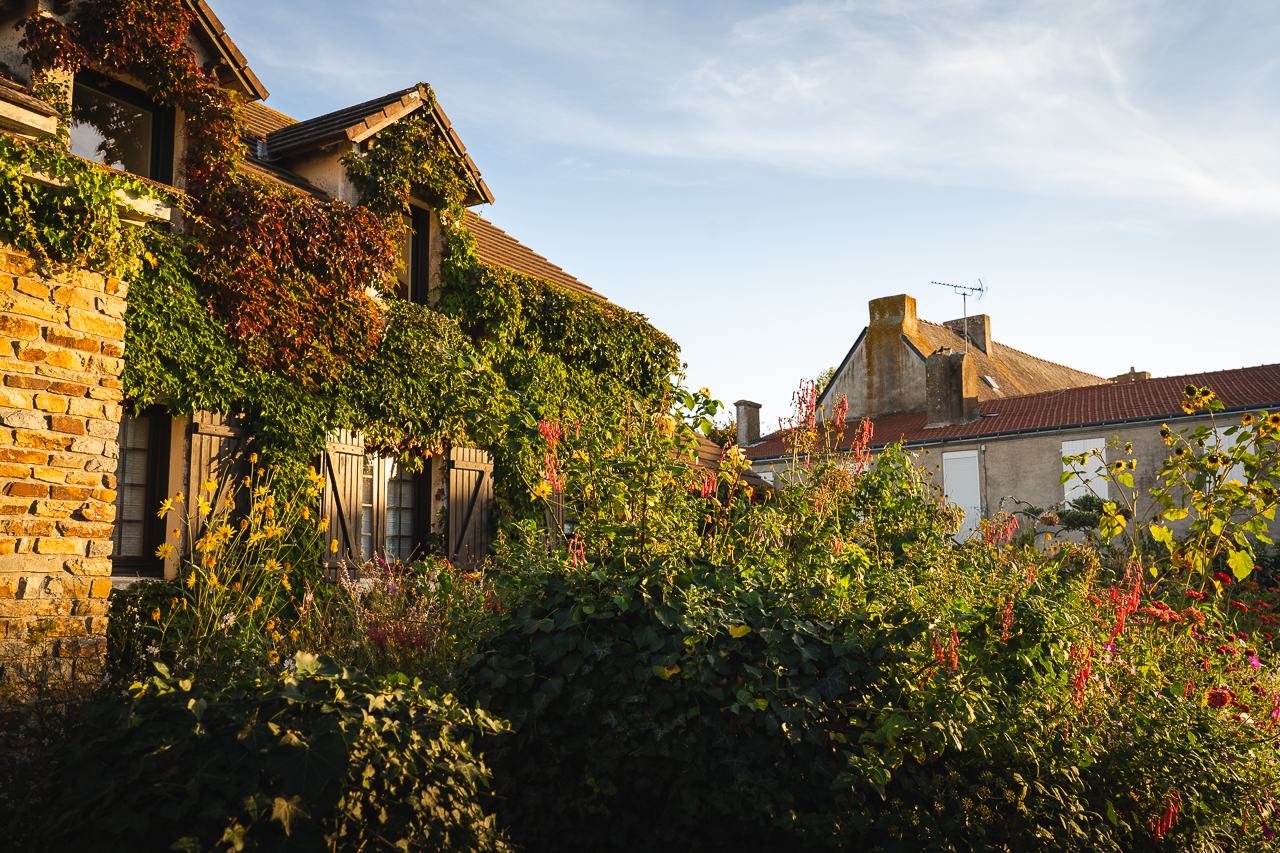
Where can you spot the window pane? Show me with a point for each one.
(131, 497)
(110, 132)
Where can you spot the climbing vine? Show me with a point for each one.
(283, 304)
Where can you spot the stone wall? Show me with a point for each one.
(61, 348)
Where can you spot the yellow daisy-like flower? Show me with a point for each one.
(253, 460)
(284, 582)
(213, 578)
(166, 507)
(164, 551)
(333, 547)
(209, 485)
(1273, 421)
(1248, 419)
(273, 565)
(155, 615)
(203, 506)
(273, 657)
(191, 581)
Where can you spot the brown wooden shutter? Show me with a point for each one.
(342, 466)
(470, 504)
(219, 452)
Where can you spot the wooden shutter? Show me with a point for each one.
(342, 466)
(470, 504)
(219, 452)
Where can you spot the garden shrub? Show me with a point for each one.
(826, 667)
(320, 758)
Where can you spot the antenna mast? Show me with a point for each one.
(965, 291)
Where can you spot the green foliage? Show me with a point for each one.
(827, 668)
(75, 223)
(318, 759)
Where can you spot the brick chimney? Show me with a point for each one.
(979, 331)
(748, 422)
(951, 389)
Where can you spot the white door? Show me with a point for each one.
(960, 484)
(1075, 487)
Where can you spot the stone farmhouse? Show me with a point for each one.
(81, 473)
(995, 422)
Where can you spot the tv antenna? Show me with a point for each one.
(978, 291)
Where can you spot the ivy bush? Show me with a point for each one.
(319, 758)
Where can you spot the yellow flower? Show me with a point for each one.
(155, 615)
(177, 498)
(284, 582)
(1247, 420)
(271, 624)
(213, 579)
(273, 657)
(203, 506)
(333, 547)
(253, 460)
(247, 480)
(257, 602)
(273, 565)
(244, 524)
(176, 533)
(209, 485)
(166, 507)
(164, 551)
(306, 514)
(191, 581)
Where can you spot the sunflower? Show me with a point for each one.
(1273, 421)
(1191, 391)
(1247, 420)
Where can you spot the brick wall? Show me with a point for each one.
(61, 343)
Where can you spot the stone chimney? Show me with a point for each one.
(896, 312)
(951, 389)
(892, 349)
(979, 331)
(1132, 376)
(748, 422)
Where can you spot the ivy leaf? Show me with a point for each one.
(739, 631)
(289, 811)
(665, 672)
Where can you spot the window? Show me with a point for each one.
(962, 487)
(119, 126)
(140, 483)
(415, 254)
(391, 523)
(1075, 487)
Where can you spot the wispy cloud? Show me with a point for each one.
(1148, 99)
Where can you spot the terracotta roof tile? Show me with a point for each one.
(1092, 405)
(264, 120)
(359, 122)
(232, 58)
(501, 249)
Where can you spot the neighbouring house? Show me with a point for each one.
(993, 423)
(81, 471)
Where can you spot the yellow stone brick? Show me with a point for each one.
(75, 297)
(17, 303)
(95, 511)
(19, 327)
(65, 358)
(15, 507)
(49, 475)
(31, 287)
(86, 408)
(101, 588)
(8, 469)
(53, 545)
(112, 306)
(14, 399)
(61, 509)
(51, 403)
(83, 321)
(100, 566)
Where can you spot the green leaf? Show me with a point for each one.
(1241, 563)
(739, 631)
(289, 811)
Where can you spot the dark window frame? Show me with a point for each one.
(155, 488)
(162, 119)
(420, 252)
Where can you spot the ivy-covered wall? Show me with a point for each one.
(264, 302)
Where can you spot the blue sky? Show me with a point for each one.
(750, 174)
